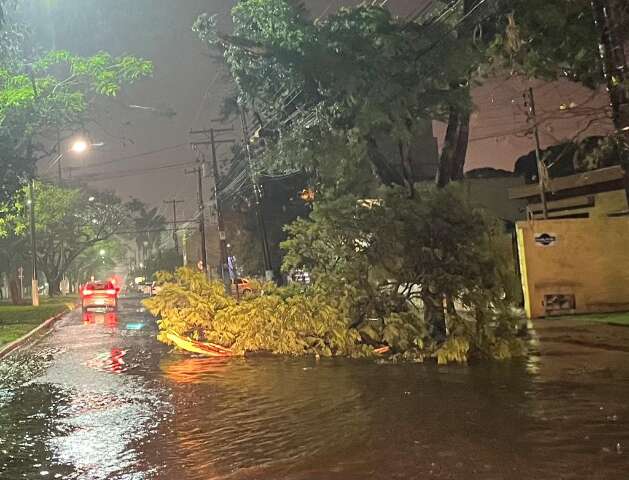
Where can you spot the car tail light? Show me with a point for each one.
(87, 292)
(111, 291)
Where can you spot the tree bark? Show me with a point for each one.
(383, 169)
(454, 152)
(14, 291)
(462, 143)
(452, 160)
(54, 287)
(434, 314)
(611, 49)
(53, 277)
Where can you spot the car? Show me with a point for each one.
(242, 286)
(99, 295)
(145, 288)
(155, 289)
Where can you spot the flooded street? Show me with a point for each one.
(99, 398)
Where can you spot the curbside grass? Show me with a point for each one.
(18, 320)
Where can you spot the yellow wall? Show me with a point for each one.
(614, 201)
(589, 259)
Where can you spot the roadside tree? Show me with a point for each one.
(69, 222)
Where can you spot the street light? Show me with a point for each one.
(79, 147)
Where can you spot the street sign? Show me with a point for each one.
(545, 239)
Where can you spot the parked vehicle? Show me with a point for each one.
(242, 286)
(155, 289)
(145, 288)
(99, 295)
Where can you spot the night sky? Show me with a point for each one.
(189, 83)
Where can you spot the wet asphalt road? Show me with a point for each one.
(76, 404)
(99, 398)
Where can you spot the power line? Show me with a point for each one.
(154, 230)
(129, 173)
(130, 157)
(205, 96)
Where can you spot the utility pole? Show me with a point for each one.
(541, 166)
(174, 203)
(223, 268)
(31, 191)
(611, 51)
(185, 248)
(60, 175)
(199, 172)
(258, 199)
(34, 285)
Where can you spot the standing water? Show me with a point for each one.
(99, 398)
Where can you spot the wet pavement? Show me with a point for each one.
(99, 398)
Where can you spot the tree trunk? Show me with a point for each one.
(383, 169)
(450, 308)
(611, 50)
(452, 160)
(14, 291)
(454, 152)
(462, 143)
(54, 287)
(53, 277)
(448, 153)
(434, 314)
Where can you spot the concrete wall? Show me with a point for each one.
(585, 258)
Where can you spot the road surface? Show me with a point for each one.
(99, 398)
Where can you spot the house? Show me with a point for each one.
(576, 260)
(588, 194)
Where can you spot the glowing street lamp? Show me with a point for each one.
(79, 147)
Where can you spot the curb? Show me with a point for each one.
(15, 344)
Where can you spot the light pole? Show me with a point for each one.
(78, 147)
(31, 203)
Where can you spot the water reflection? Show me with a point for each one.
(259, 415)
(112, 403)
(300, 419)
(25, 429)
(112, 361)
(193, 370)
(97, 317)
(76, 419)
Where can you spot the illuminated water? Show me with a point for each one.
(101, 399)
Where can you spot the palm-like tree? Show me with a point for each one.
(149, 224)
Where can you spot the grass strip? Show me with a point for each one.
(17, 320)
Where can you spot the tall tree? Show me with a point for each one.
(343, 96)
(53, 98)
(68, 223)
(149, 225)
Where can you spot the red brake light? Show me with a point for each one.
(111, 291)
(87, 291)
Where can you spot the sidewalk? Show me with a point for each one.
(582, 344)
